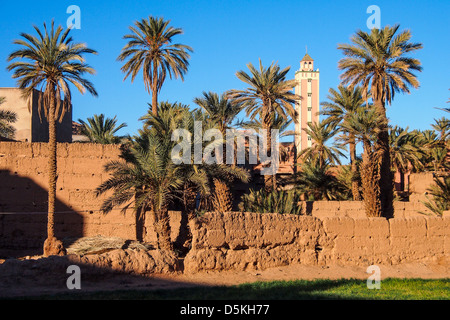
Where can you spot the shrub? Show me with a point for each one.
(283, 202)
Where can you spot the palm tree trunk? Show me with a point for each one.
(52, 246)
(270, 181)
(370, 183)
(163, 230)
(52, 169)
(155, 90)
(386, 180)
(355, 184)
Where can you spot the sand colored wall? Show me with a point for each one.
(23, 191)
(355, 209)
(248, 241)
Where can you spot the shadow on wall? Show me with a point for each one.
(23, 216)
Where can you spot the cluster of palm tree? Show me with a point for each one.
(375, 67)
(51, 61)
(149, 182)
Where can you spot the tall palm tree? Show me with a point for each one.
(269, 92)
(7, 117)
(150, 49)
(341, 104)
(101, 130)
(377, 62)
(321, 133)
(51, 61)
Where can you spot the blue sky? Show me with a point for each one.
(226, 35)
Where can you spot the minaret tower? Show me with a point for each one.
(308, 106)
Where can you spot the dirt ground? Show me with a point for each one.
(32, 287)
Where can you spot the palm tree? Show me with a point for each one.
(52, 62)
(442, 126)
(101, 130)
(7, 117)
(365, 124)
(435, 151)
(440, 192)
(150, 181)
(405, 152)
(320, 134)
(377, 62)
(268, 92)
(150, 49)
(220, 109)
(316, 182)
(342, 103)
(278, 123)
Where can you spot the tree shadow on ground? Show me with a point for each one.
(278, 290)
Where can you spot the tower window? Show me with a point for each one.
(309, 108)
(309, 80)
(309, 138)
(309, 94)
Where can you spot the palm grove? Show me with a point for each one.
(375, 66)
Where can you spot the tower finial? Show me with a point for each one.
(306, 49)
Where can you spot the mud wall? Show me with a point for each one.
(23, 195)
(248, 241)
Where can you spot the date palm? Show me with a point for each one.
(268, 92)
(316, 182)
(221, 110)
(342, 103)
(7, 117)
(150, 50)
(321, 133)
(101, 130)
(149, 181)
(377, 61)
(442, 126)
(405, 152)
(365, 124)
(50, 62)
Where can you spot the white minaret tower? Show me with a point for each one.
(308, 106)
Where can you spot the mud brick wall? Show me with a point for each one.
(249, 241)
(355, 209)
(23, 195)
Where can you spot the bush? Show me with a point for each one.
(283, 202)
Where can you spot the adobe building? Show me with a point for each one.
(29, 126)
